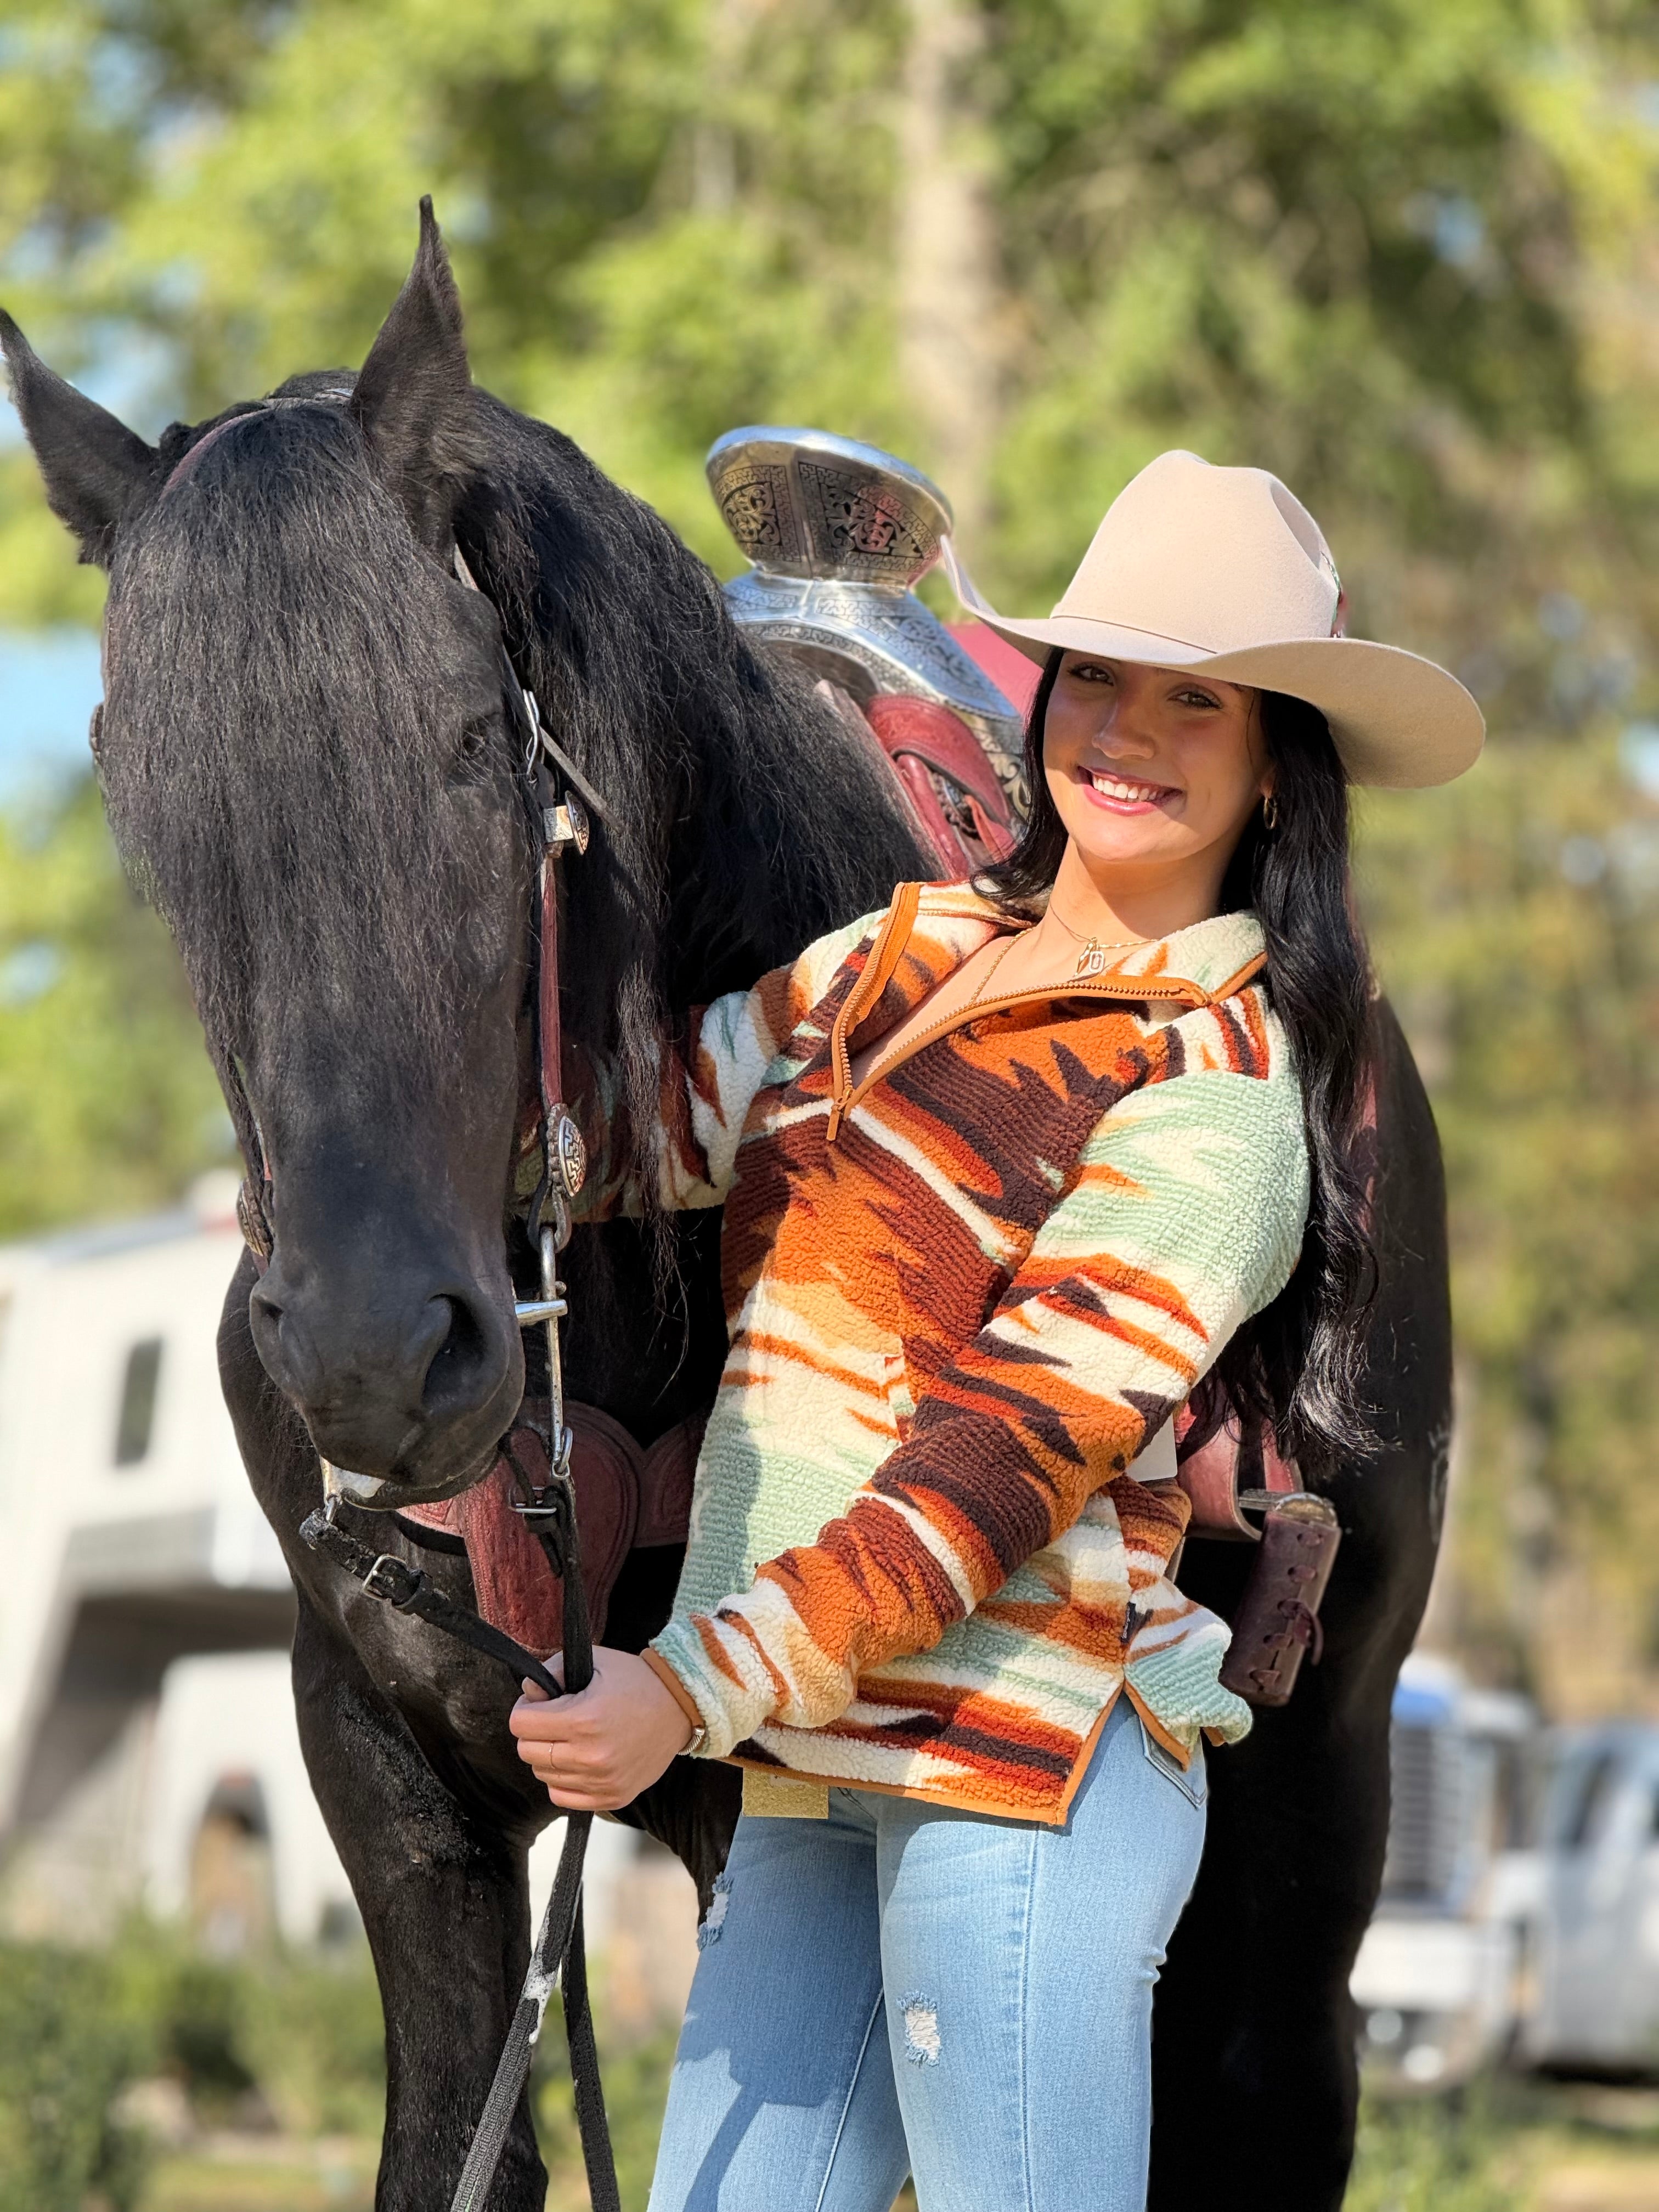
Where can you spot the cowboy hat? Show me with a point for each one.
(1225, 570)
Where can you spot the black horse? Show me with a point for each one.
(310, 760)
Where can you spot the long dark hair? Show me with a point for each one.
(1300, 1362)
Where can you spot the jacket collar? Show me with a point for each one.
(1207, 961)
(930, 929)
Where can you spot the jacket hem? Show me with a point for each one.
(960, 1797)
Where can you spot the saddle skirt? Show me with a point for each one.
(629, 1496)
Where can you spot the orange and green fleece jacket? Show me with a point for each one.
(934, 1513)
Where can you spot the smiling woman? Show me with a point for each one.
(1152, 775)
(1174, 779)
(1147, 779)
(1008, 1170)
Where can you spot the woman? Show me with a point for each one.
(1006, 1171)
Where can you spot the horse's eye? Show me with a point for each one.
(474, 743)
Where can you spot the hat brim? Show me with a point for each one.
(1397, 721)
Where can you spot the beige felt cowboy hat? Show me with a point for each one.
(1224, 569)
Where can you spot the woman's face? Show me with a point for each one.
(1151, 767)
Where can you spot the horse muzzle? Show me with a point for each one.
(405, 1387)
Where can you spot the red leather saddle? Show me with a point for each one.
(630, 1497)
(947, 782)
(1226, 1465)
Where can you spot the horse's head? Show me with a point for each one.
(310, 759)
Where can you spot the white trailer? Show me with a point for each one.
(137, 1564)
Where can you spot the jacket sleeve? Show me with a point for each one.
(707, 1084)
(1186, 1219)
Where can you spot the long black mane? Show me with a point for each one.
(730, 789)
(273, 660)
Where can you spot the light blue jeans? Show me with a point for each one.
(899, 1990)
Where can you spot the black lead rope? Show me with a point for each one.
(558, 1959)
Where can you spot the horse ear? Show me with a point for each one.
(94, 469)
(413, 395)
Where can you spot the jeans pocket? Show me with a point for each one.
(1192, 1782)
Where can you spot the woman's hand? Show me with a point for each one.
(597, 1750)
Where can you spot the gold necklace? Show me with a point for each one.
(1092, 958)
(984, 983)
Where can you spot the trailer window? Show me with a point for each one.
(1588, 1793)
(135, 1421)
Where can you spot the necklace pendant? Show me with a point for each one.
(1091, 960)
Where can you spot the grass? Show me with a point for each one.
(1443, 2155)
(272, 2070)
(1510, 2144)
(280, 2174)
(1500, 2147)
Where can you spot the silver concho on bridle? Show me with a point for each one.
(838, 535)
(569, 1152)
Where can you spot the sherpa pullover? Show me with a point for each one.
(964, 1300)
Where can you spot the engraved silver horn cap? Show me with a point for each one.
(838, 534)
(804, 503)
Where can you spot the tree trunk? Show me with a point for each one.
(948, 306)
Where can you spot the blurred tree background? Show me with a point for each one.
(1406, 255)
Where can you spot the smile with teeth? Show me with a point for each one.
(1126, 790)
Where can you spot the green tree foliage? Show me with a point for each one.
(1404, 254)
(107, 1104)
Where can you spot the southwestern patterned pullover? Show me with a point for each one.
(963, 1302)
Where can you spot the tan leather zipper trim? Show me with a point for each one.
(1235, 984)
(884, 957)
(1192, 995)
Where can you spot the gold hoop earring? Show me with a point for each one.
(1270, 813)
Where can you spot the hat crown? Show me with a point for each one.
(1215, 558)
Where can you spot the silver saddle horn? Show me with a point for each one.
(838, 535)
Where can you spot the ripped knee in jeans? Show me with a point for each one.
(921, 2016)
(715, 1919)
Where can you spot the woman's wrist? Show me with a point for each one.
(682, 1697)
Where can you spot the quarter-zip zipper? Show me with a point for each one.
(1177, 989)
(884, 955)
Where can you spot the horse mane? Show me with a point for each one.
(740, 822)
(279, 817)
(282, 819)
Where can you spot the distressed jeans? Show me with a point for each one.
(899, 1990)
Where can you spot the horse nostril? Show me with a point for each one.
(453, 1375)
(286, 1347)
